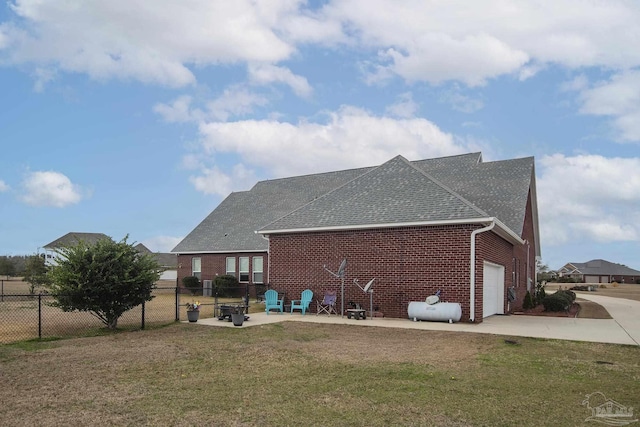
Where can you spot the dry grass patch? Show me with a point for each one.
(309, 374)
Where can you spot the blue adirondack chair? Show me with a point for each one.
(302, 304)
(271, 301)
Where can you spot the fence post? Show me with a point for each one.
(39, 316)
(142, 315)
(2, 293)
(177, 303)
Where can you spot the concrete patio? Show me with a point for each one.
(623, 329)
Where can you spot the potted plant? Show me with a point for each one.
(237, 315)
(193, 311)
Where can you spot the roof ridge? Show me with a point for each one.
(446, 188)
(371, 169)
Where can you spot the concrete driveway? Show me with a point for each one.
(625, 312)
(624, 328)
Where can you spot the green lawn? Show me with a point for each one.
(308, 374)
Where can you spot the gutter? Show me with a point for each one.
(472, 269)
(503, 230)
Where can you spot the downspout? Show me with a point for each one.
(268, 258)
(472, 268)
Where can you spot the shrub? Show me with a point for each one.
(192, 283)
(570, 295)
(603, 286)
(528, 303)
(556, 302)
(225, 285)
(540, 294)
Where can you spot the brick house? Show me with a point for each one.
(599, 271)
(416, 227)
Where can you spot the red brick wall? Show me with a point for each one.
(213, 265)
(408, 264)
(492, 248)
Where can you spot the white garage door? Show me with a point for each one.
(492, 290)
(591, 279)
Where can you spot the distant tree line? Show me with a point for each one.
(13, 265)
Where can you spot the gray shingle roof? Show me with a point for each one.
(393, 193)
(166, 260)
(499, 188)
(602, 267)
(71, 239)
(454, 187)
(231, 226)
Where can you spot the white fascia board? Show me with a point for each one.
(505, 231)
(230, 251)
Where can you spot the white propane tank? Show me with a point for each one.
(440, 312)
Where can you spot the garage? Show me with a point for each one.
(492, 289)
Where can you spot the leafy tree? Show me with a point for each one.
(7, 267)
(105, 279)
(35, 272)
(543, 272)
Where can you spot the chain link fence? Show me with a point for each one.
(31, 316)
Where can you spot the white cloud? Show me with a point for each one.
(42, 76)
(475, 41)
(212, 180)
(235, 101)
(153, 42)
(179, 111)
(50, 189)
(460, 102)
(267, 73)
(619, 98)
(350, 138)
(159, 42)
(404, 108)
(4, 186)
(161, 243)
(589, 197)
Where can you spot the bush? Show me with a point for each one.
(556, 302)
(225, 285)
(567, 279)
(192, 283)
(569, 295)
(540, 294)
(528, 303)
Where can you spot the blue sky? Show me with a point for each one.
(138, 118)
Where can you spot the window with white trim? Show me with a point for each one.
(231, 266)
(244, 269)
(258, 269)
(196, 267)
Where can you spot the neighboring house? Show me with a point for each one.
(69, 239)
(454, 224)
(599, 271)
(168, 262)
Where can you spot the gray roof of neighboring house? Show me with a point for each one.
(164, 259)
(602, 267)
(446, 188)
(73, 238)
